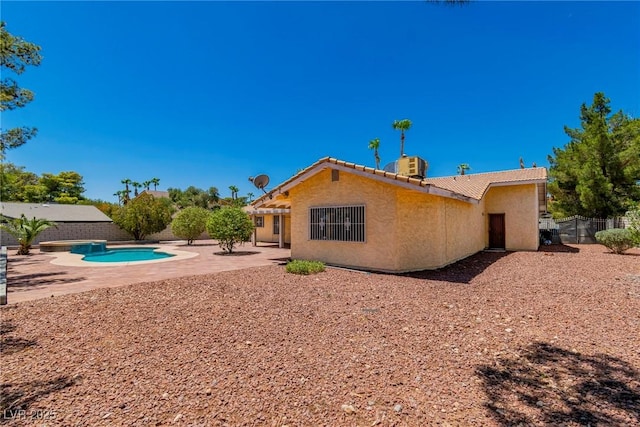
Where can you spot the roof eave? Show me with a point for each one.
(367, 172)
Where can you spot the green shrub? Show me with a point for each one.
(25, 230)
(190, 223)
(634, 225)
(229, 226)
(616, 239)
(144, 215)
(299, 266)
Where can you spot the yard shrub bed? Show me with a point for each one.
(299, 266)
(619, 240)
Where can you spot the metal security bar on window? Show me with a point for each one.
(259, 221)
(276, 225)
(341, 223)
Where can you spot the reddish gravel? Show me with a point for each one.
(544, 338)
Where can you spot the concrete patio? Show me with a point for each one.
(35, 276)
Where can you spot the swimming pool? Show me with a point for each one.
(126, 255)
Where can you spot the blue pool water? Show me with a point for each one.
(126, 255)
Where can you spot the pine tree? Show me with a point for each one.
(597, 174)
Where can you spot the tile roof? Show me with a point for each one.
(469, 187)
(475, 185)
(157, 193)
(54, 212)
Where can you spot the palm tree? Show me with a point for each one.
(374, 144)
(126, 183)
(463, 167)
(403, 126)
(250, 196)
(25, 230)
(146, 185)
(120, 195)
(214, 195)
(135, 186)
(234, 191)
(155, 182)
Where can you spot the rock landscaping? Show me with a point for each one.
(498, 339)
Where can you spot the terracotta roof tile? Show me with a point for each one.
(475, 185)
(470, 186)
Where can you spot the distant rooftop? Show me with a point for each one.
(157, 193)
(53, 212)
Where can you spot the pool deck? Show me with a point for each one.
(40, 275)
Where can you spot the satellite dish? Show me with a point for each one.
(260, 181)
(391, 167)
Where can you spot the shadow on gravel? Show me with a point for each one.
(27, 281)
(236, 253)
(6, 327)
(462, 271)
(19, 397)
(548, 385)
(281, 261)
(10, 345)
(558, 247)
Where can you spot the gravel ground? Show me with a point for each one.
(537, 338)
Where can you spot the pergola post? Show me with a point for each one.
(254, 235)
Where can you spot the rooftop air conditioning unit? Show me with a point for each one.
(414, 167)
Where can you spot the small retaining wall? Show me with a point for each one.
(74, 231)
(166, 234)
(88, 231)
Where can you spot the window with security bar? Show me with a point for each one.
(341, 223)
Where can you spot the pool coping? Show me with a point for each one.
(68, 259)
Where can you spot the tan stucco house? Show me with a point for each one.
(356, 216)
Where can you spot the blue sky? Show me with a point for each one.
(210, 93)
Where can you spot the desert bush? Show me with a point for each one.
(634, 225)
(190, 223)
(229, 226)
(299, 266)
(144, 215)
(616, 239)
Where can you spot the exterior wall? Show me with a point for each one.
(420, 232)
(407, 230)
(465, 227)
(378, 252)
(519, 203)
(167, 234)
(88, 230)
(436, 231)
(74, 231)
(265, 234)
(287, 228)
